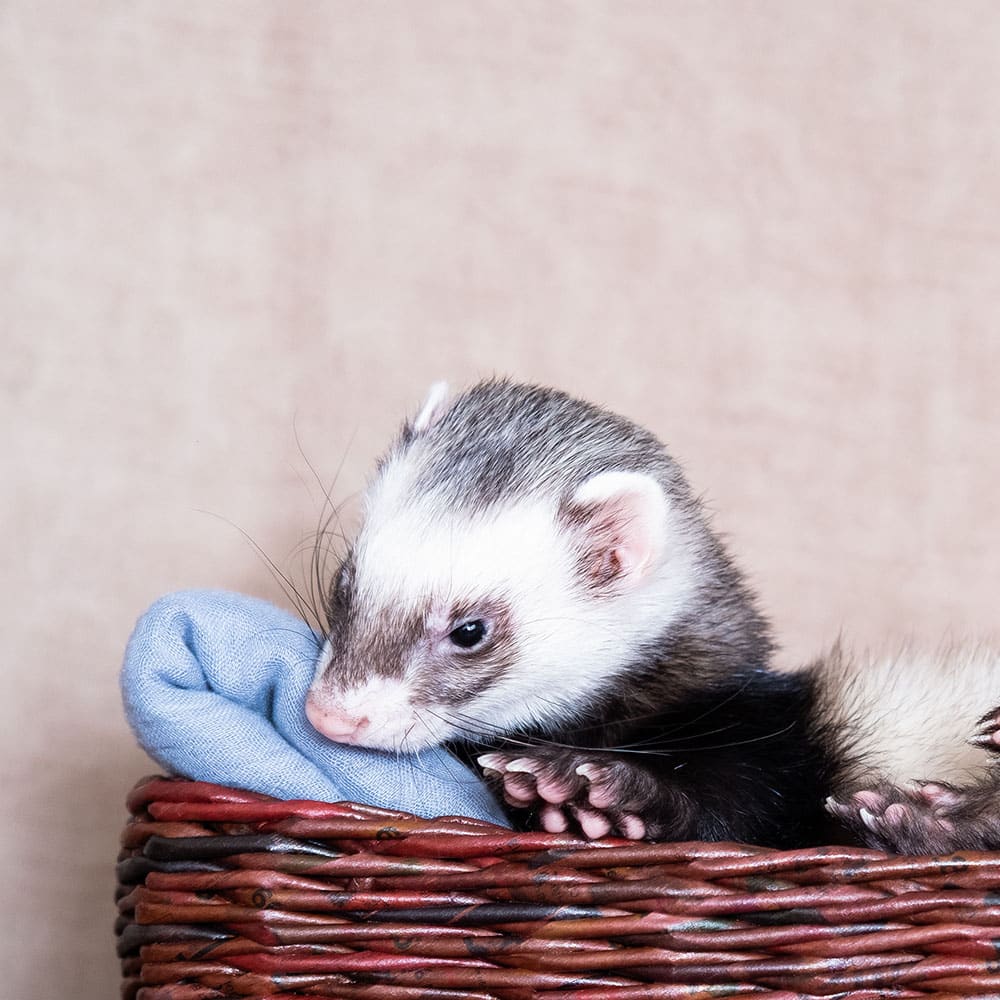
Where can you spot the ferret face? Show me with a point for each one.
(446, 624)
(427, 615)
(448, 628)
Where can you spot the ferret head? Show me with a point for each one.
(518, 551)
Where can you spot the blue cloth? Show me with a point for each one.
(214, 686)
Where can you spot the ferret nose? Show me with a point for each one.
(334, 723)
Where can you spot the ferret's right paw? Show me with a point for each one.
(567, 788)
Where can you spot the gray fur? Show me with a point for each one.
(502, 441)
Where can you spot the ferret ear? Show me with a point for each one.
(433, 409)
(620, 519)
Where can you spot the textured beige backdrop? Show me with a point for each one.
(770, 231)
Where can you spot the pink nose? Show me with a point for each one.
(334, 723)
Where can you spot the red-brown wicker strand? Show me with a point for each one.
(225, 893)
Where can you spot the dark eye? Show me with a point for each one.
(468, 635)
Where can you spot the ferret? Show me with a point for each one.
(535, 584)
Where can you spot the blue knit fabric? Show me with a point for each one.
(214, 686)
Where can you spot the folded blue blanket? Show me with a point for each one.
(214, 686)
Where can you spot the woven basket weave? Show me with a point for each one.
(224, 893)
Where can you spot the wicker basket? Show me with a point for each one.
(224, 893)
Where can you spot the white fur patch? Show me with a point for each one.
(571, 640)
(916, 711)
(434, 407)
(392, 722)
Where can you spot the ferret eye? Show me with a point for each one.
(469, 634)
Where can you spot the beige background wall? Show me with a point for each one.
(769, 231)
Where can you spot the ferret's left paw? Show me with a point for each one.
(987, 734)
(912, 819)
(596, 794)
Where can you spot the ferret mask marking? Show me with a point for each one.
(573, 583)
(554, 636)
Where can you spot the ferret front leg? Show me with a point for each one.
(599, 793)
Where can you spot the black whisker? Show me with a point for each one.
(328, 512)
(300, 601)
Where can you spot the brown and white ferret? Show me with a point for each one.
(535, 584)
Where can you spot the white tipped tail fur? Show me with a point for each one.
(915, 713)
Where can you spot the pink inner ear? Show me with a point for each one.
(609, 550)
(621, 520)
(609, 566)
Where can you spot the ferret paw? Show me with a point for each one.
(568, 789)
(987, 735)
(918, 818)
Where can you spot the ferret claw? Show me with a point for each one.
(868, 819)
(601, 792)
(990, 718)
(495, 763)
(987, 735)
(523, 766)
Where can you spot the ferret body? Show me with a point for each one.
(535, 581)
